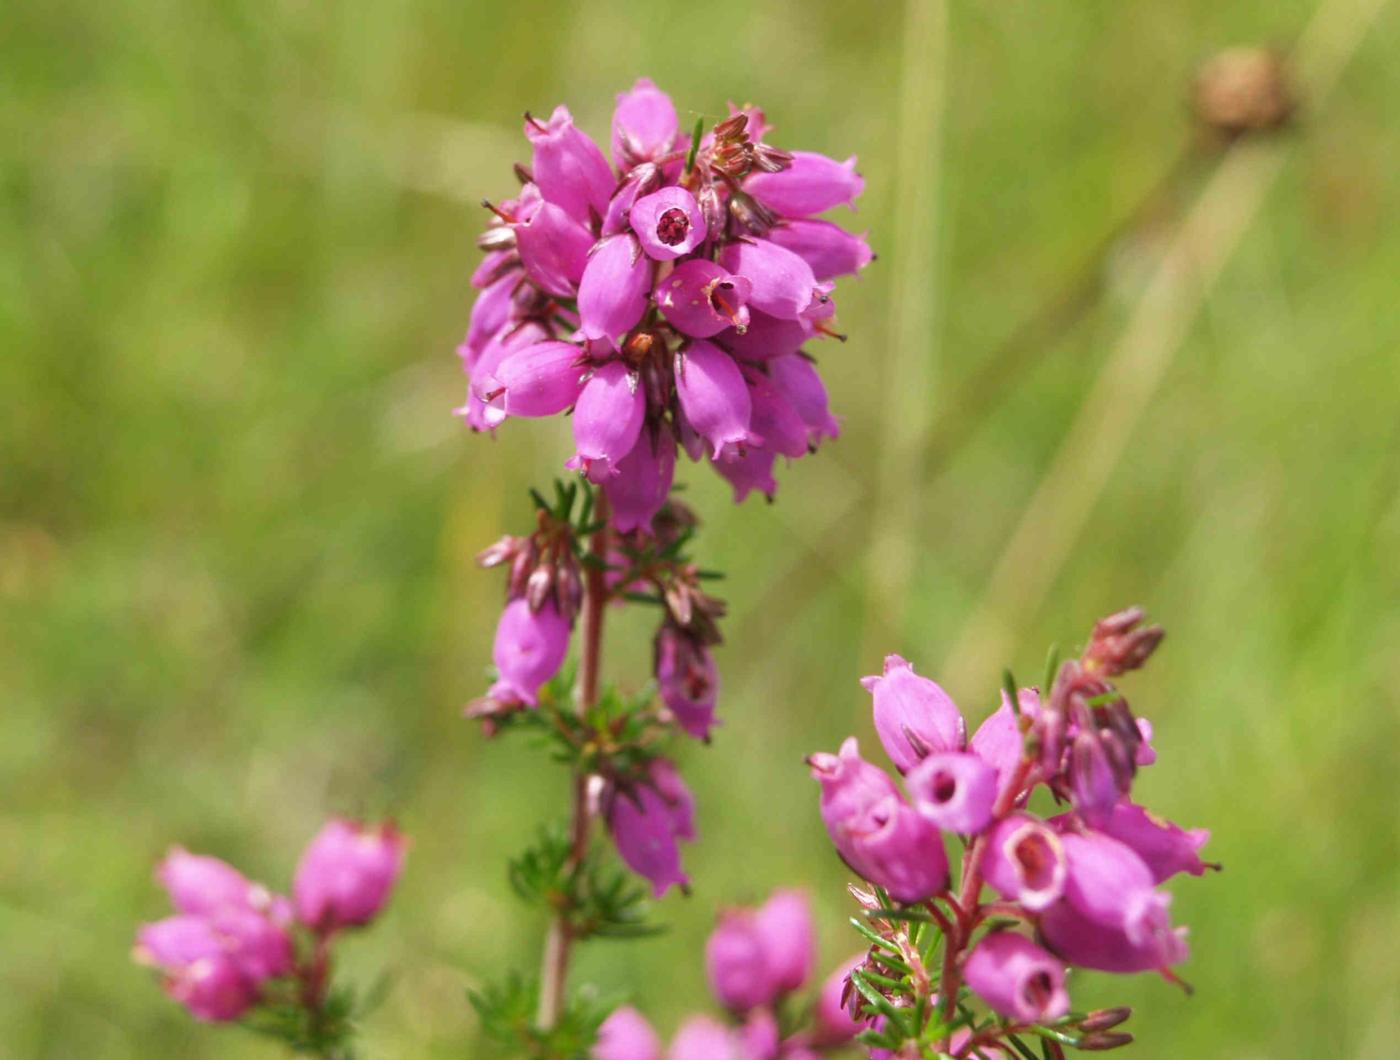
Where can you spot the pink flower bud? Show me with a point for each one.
(785, 924)
(553, 248)
(570, 170)
(914, 717)
(1017, 979)
(737, 964)
(668, 223)
(607, 421)
(1095, 784)
(541, 379)
(834, 1021)
(613, 292)
(176, 941)
(812, 184)
(767, 337)
(530, 647)
(489, 315)
(702, 1038)
(260, 947)
(713, 395)
(998, 740)
(1165, 848)
(796, 377)
(1025, 861)
(647, 824)
(1090, 944)
(201, 885)
(760, 1038)
(346, 873)
(955, 790)
(783, 285)
(213, 989)
(687, 679)
(626, 1035)
(485, 407)
(876, 833)
(642, 482)
(1108, 883)
(644, 125)
(748, 471)
(700, 299)
(775, 420)
(829, 249)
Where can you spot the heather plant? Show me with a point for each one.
(663, 300)
(234, 951)
(952, 969)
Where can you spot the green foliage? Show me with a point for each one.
(596, 899)
(326, 1032)
(507, 1014)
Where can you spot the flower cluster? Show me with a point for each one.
(664, 298)
(755, 960)
(1082, 886)
(233, 945)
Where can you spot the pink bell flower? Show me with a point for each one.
(648, 823)
(553, 247)
(914, 717)
(999, 742)
(530, 647)
(201, 885)
(1025, 861)
(568, 166)
(612, 296)
(1108, 883)
(737, 962)
(1017, 979)
(626, 1035)
(1090, 944)
(748, 471)
(785, 924)
(828, 249)
(1165, 848)
(346, 874)
(541, 379)
(642, 483)
(766, 337)
(812, 184)
(668, 223)
(713, 395)
(955, 790)
(607, 421)
(796, 377)
(703, 1038)
(783, 285)
(644, 125)
(687, 679)
(701, 299)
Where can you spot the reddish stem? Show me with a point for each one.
(558, 944)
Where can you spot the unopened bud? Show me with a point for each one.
(732, 128)
(771, 159)
(1103, 1042)
(1118, 644)
(497, 237)
(1105, 1019)
(502, 551)
(712, 209)
(539, 585)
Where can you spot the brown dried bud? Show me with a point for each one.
(1244, 90)
(752, 214)
(1104, 1041)
(496, 237)
(732, 128)
(539, 585)
(771, 159)
(1105, 1018)
(521, 569)
(502, 551)
(712, 209)
(1118, 644)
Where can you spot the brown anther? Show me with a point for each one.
(672, 226)
(523, 173)
(732, 127)
(531, 120)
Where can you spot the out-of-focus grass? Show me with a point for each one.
(236, 518)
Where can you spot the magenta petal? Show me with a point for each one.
(796, 377)
(1165, 847)
(747, 471)
(789, 938)
(489, 314)
(766, 338)
(1089, 944)
(1017, 979)
(703, 1038)
(668, 223)
(783, 284)
(776, 421)
(913, 715)
(829, 249)
(955, 790)
(613, 292)
(700, 299)
(568, 166)
(530, 647)
(626, 1035)
(644, 125)
(687, 680)
(736, 962)
(647, 824)
(812, 184)
(541, 379)
(642, 482)
(553, 248)
(607, 421)
(713, 394)
(1025, 861)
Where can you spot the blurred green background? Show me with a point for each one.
(237, 517)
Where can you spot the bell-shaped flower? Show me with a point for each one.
(489, 315)
(828, 249)
(626, 1035)
(687, 679)
(812, 184)
(668, 222)
(647, 823)
(541, 379)
(796, 377)
(783, 285)
(200, 884)
(213, 989)
(955, 790)
(1089, 943)
(1025, 861)
(607, 421)
(713, 395)
(1110, 884)
(834, 1022)
(914, 717)
(261, 947)
(1099, 774)
(1017, 979)
(530, 647)
(612, 296)
(747, 471)
(553, 247)
(346, 874)
(643, 482)
(703, 1038)
(737, 962)
(999, 742)
(701, 299)
(776, 421)
(785, 924)
(1165, 848)
(644, 125)
(568, 166)
(766, 337)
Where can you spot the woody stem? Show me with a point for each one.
(558, 944)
